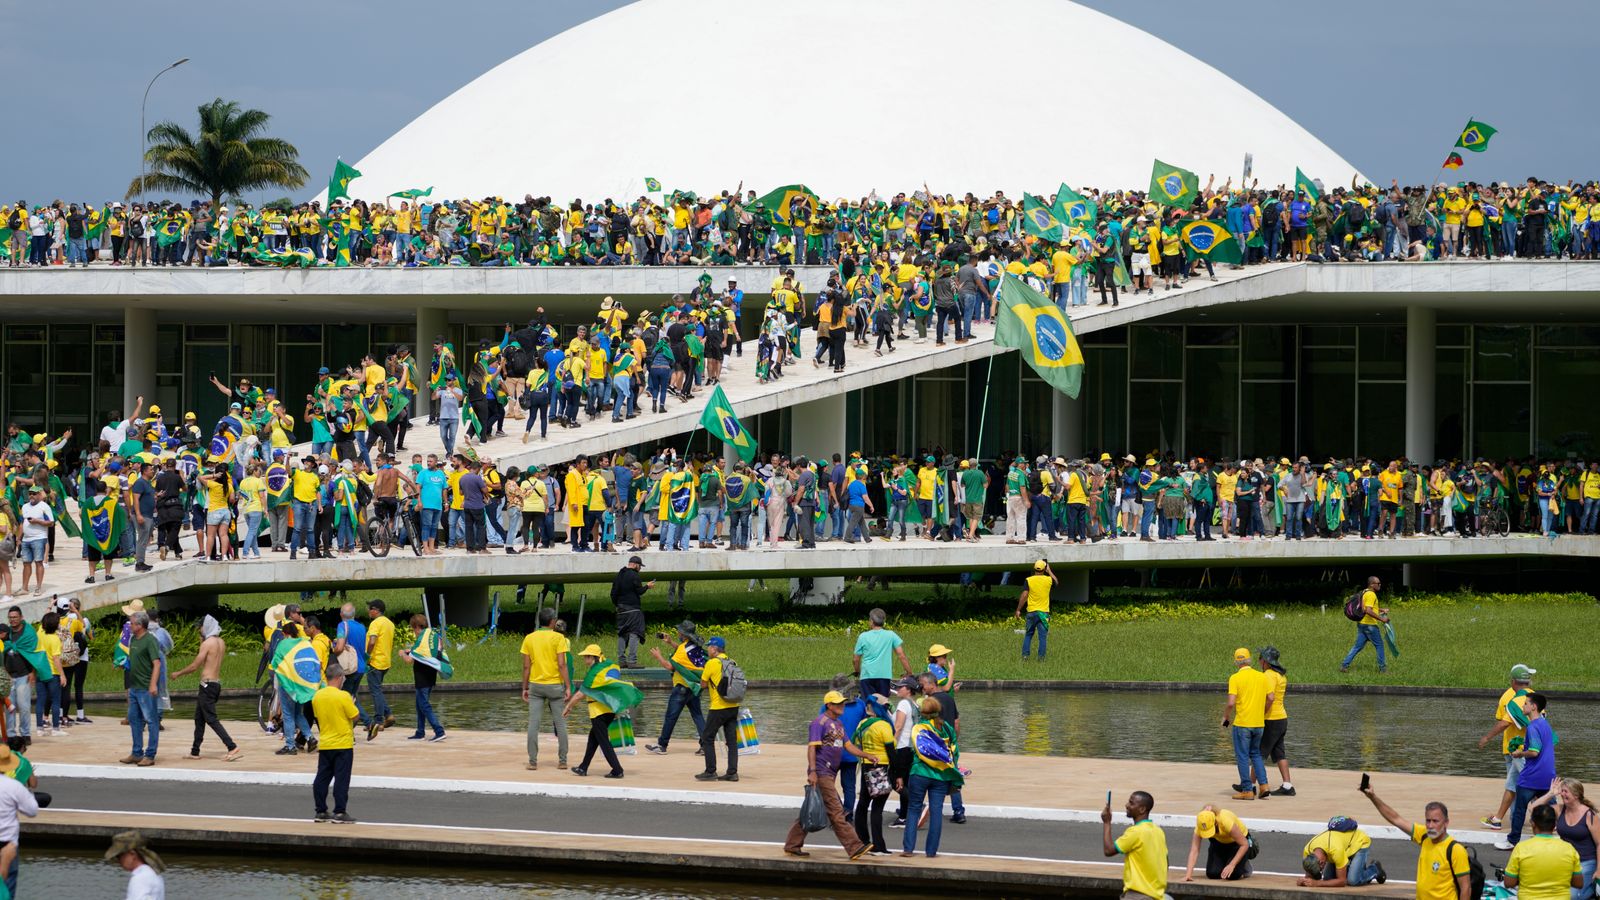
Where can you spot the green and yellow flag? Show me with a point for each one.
(102, 523)
(1172, 186)
(777, 202)
(1303, 183)
(1475, 136)
(652, 185)
(720, 420)
(1075, 209)
(299, 670)
(1027, 321)
(1202, 237)
(1039, 220)
(339, 184)
(604, 685)
(94, 223)
(411, 193)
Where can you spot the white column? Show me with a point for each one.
(1421, 365)
(138, 357)
(819, 432)
(1066, 426)
(431, 322)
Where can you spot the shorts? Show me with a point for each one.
(219, 517)
(1388, 506)
(1272, 732)
(1130, 505)
(973, 512)
(93, 554)
(1513, 771)
(32, 551)
(1141, 264)
(1297, 232)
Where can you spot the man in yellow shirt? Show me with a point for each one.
(1248, 699)
(380, 647)
(1035, 601)
(304, 487)
(1509, 722)
(577, 491)
(1143, 846)
(724, 715)
(336, 753)
(687, 665)
(1369, 629)
(1544, 866)
(1389, 481)
(545, 682)
(1338, 857)
(1442, 863)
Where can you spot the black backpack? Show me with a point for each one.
(135, 228)
(1353, 608)
(1475, 873)
(14, 222)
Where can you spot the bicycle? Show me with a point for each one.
(1495, 521)
(268, 715)
(373, 532)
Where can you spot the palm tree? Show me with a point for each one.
(230, 156)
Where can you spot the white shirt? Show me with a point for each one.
(31, 531)
(15, 798)
(114, 434)
(903, 739)
(145, 884)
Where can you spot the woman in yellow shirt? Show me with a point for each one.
(217, 485)
(600, 713)
(875, 737)
(49, 695)
(252, 507)
(10, 540)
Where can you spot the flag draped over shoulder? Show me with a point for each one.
(102, 523)
(1202, 237)
(339, 184)
(1029, 322)
(27, 643)
(1040, 220)
(428, 650)
(277, 485)
(604, 685)
(1475, 136)
(1172, 186)
(680, 498)
(299, 670)
(1303, 183)
(720, 420)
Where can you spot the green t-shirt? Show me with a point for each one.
(1016, 481)
(142, 655)
(972, 487)
(24, 769)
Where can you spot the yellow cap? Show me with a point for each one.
(1105, 457)
(1283, 461)
(1040, 566)
(1149, 462)
(1241, 655)
(832, 697)
(938, 650)
(1205, 824)
(594, 651)
(155, 410)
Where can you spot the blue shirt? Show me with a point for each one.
(553, 358)
(736, 297)
(431, 484)
(876, 648)
(1538, 771)
(472, 490)
(1298, 211)
(623, 476)
(858, 493)
(355, 634)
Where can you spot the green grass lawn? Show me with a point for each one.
(1446, 640)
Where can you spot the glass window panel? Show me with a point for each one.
(1383, 353)
(1501, 420)
(169, 349)
(1328, 336)
(1501, 353)
(880, 419)
(1327, 402)
(252, 349)
(169, 396)
(1266, 418)
(1381, 430)
(1450, 403)
(346, 344)
(300, 334)
(216, 333)
(25, 332)
(1213, 335)
(1037, 413)
(1117, 335)
(108, 334)
(1157, 351)
(1105, 399)
(941, 416)
(1157, 408)
(1568, 426)
(999, 419)
(1569, 335)
(1452, 335)
(1211, 403)
(297, 375)
(25, 385)
(69, 349)
(69, 404)
(1268, 351)
(385, 337)
(108, 378)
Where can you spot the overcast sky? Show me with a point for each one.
(1386, 83)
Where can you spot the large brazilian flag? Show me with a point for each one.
(604, 685)
(778, 201)
(1040, 220)
(1029, 322)
(299, 671)
(719, 419)
(1172, 186)
(1203, 237)
(102, 523)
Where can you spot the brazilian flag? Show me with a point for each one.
(299, 670)
(719, 419)
(1203, 237)
(413, 193)
(652, 185)
(277, 485)
(1172, 186)
(1304, 183)
(1475, 136)
(428, 650)
(26, 642)
(739, 490)
(1074, 208)
(604, 685)
(777, 202)
(169, 232)
(102, 523)
(1028, 321)
(94, 223)
(339, 184)
(1039, 220)
(680, 501)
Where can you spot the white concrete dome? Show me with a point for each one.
(810, 92)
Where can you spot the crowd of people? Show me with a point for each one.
(1535, 219)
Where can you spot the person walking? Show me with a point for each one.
(1276, 723)
(1541, 869)
(546, 683)
(144, 679)
(1035, 601)
(687, 665)
(1230, 847)
(601, 714)
(876, 738)
(1338, 857)
(380, 650)
(825, 748)
(1538, 755)
(425, 672)
(1369, 630)
(143, 866)
(1143, 847)
(935, 773)
(717, 681)
(336, 715)
(627, 596)
(1248, 698)
(1508, 725)
(208, 660)
(1443, 866)
(873, 658)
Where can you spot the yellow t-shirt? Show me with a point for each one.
(1144, 863)
(380, 637)
(50, 646)
(216, 496)
(1339, 845)
(533, 495)
(1039, 593)
(545, 650)
(1076, 494)
(1513, 730)
(681, 657)
(1436, 878)
(875, 742)
(335, 710)
(1249, 689)
(1227, 821)
(250, 491)
(1277, 685)
(927, 482)
(711, 676)
(323, 645)
(306, 485)
(1388, 487)
(1544, 865)
(455, 488)
(1369, 604)
(1591, 490)
(1225, 485)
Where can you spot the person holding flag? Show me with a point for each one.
(429, 663)
(608, 695)
(297, 670)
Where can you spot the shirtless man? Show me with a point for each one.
(208, 660)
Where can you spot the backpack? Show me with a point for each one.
(732, 684)
(69, 651)
(14, 222)
(136, 227)
(1475, 873)
(1353, 609)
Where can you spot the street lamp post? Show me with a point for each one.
(143, 135)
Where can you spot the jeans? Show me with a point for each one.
(676, 701)
(623, 406)
(144, 720)
(75, 251)
(727, 722)
(1037, 623)
(1365, 634)
(1202, 520)
(1294, 520)
(1591, 515)
(1359, 872)
(739, 528)
(425, 713)
(333, 767)
(1147, 517)
(1587, 891)
(675, 536)
(897, 513)
(429, 526)
(294, 717)
(476, 536)
(1519, 810)
(249, 536)
(1077, 521)
(657, 388)
(1039, 515)
(19, 717)
(969, 311)
(1247, 755)
(943, 315)
(380, 703)
(539, 412)
(305, 519)
(48, 698)
(706, 523)
(447, 434)
(930, 791)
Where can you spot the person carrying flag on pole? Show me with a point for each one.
(429, 664)
(608, 695)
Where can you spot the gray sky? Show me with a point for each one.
(1386, 83)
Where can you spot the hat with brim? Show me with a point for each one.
(274, 616)
(133, 842)
(687, 632)
(594, 651)
(1205, 824)
(134, 606)
(938, 650)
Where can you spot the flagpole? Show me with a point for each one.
(984, 414)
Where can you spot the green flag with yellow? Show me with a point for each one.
(720, 420)
(1306, 185)
(1040, 220)
(1028, 322)
(1172, 186)
(339, 184)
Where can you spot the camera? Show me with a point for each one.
(661, 635)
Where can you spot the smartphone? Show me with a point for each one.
(1366, 782)
(1108, 799)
